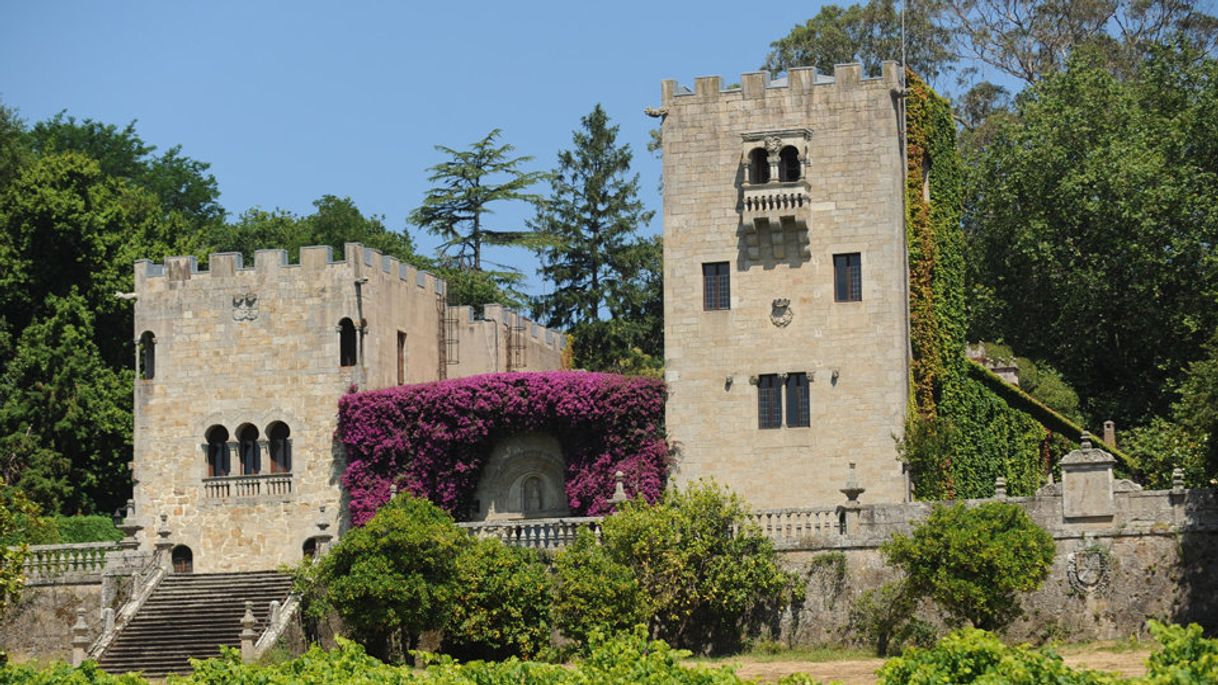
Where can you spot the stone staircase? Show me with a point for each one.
(190, 615)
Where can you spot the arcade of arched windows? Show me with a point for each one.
(248, 461)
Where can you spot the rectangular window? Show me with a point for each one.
(401, 358)
(847, 277)
(769, 401)
(716, 286)
(797, 400)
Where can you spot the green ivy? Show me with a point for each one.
(965, 430)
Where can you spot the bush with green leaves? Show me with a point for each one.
(90, 528)
(973, 561)
(60, 673)
(1185, 656)
(707, 572)
(501, 605)
(593, 593)
(394, 577)
(884, 617)
(971, 655)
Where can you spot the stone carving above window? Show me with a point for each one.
(523, 478)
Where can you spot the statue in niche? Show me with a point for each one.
(531, 495)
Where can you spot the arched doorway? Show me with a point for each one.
(183, 559)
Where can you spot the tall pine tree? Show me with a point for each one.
(591, 220)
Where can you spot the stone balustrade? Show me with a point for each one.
(263, 484)
(787, 527)
(535, 533)
(775, 199)
(81, 562)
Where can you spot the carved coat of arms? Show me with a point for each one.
(1088, 569)
(245, 307)
(780, 312)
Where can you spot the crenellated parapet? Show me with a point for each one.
(799, 82)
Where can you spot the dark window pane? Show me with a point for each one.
(716, 286)
(797, 400)
(346, 343)
(788, 167)
(769, 401)
(847, 277)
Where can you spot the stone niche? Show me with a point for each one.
(523, 479)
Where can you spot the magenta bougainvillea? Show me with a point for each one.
(432, 439)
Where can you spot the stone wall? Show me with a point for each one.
(779, 239)
(237, 346)
(38, 627)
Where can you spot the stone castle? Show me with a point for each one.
(785, 284)
(786, 332)
(239, 373)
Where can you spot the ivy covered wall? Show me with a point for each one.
(962, 433)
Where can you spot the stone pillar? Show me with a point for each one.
(1110, 434)
(1000, 488)
(323, 535)
(247, 634)
(619, 490)
(80, 638)
(1087, 483)
(848, 513)
(164, 547)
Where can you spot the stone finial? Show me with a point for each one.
(247, 633)
(1177, 480)
(162, 530)
(619, 489)
(1000, 487)
(1084, 441)
(393, 490)
(80, 638)
(107, 620)
(852, 489)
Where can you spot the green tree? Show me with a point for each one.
(1091, 228)
(395, 576)
(705, 570)
(181, 184)
(502, 603)
(973, 561)
(457, 207)
(65, 425)
(1197, 409)
(607, 286)
(869, 34)
(593, 594)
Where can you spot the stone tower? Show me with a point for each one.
(785, 284)
(238, 380)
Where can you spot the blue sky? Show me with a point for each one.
(290, 101)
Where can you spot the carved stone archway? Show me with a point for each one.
(523, 478)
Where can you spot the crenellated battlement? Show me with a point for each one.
(799, 82)
(360, 260)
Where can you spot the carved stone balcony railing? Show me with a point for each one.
(263, 484)
(535, 533)
(81, 562)
(771, 210)
(790, 526)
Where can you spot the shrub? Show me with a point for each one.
(502, 604)
(1160, 446)
(976, 656)
(884, 616)
(593, 593)
(60, 673)
(92, 528)
(395, 576)
(973, 561)
(707, 573)
(1184, 656)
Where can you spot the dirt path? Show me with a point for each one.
(862, 671)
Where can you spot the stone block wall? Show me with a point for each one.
(779, 241)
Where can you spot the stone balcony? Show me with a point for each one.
(769, 211)
(258, 485)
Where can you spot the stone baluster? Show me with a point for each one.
(247, 634)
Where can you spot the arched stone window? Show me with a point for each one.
(759, 165)
(280, 445)
(247, 447)
(217, 451)
(309, 549)
(532, 499)
(788, 164)
(346, 343)
(147, 353)
(183, 559)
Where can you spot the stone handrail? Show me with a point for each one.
(535, 533)
(224, 487)
(278, 620)
(81, 562)
(790, 525)
(145, 583)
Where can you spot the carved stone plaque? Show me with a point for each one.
(780, 312)
(245, 307)
(1088, 569)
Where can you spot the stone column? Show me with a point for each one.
(164, 556)
(80, 638)
(848, 513)
(247, 634)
